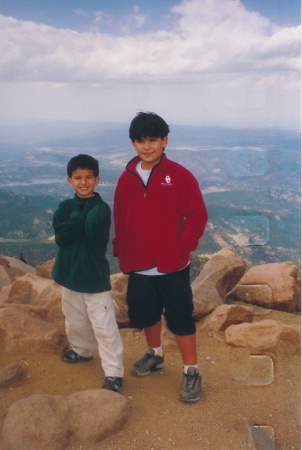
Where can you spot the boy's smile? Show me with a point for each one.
(150, 150)
(83, 182)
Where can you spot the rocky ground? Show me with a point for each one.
(236, 386)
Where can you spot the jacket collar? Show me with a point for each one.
(80, 200)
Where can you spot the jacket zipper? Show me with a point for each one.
(137, 176)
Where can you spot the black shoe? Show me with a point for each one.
(113, 384)
(191, 386)
(70, 356)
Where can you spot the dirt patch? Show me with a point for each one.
(235, 385)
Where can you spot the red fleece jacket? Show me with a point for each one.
(157, 225)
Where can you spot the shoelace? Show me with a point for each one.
(145, 357)
(191, 380)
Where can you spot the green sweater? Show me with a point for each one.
(82, 233)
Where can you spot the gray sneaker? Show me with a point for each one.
(191, 386)
(147, 364)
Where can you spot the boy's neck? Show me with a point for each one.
(142, 167)
(85, 198)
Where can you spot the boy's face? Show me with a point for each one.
(150, 150)
(83, 182)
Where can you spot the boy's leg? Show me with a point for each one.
(145, 310)
(100, 308)
(187, 346)
(190, 390)
(153, 335)
(77, 324)
(151, 360)
(178, 312)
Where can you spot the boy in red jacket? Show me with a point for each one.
(159, 217)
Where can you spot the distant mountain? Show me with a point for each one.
(250, 180)
(24, 217)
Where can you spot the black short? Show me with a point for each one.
(149, 297)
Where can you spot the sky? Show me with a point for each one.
(226, 63)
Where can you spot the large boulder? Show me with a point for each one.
(4, 261)
(4, 293)
(24, 327)
(119, 285)
(272, 286)
(56, 422)
(35, 423)
(227, 315)
(33, 290)
(10, 268)
(20, 267)
(219, 275)
(264, 336)
(7, 273)
(96, 414)
(5, 279)
(45, 269)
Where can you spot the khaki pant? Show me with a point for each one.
(90, 321)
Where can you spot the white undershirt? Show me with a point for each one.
(145, 174)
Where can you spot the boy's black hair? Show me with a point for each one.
(83, 162)
(148, 125)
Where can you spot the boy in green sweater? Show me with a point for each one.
(81, 227)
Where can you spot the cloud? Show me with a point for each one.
(212, 36)
(137, 19)
(100, 16)
(221, 35)
(212, 53)
(80, 12)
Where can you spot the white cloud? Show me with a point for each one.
(100, 16)
(217, 46)
(80, 12)
(137, 19)
(213, 36)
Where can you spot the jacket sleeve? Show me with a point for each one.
(97, 228)
(196, 216)
(68, 229)
(116, 217)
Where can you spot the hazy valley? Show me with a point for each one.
(250, 180)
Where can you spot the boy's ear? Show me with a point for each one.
(165, 141)
(69, 181)
(97, 180)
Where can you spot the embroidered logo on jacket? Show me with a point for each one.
(167, 182)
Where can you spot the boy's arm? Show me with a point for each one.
(68, 229)
(97, 228)
(196, 215)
